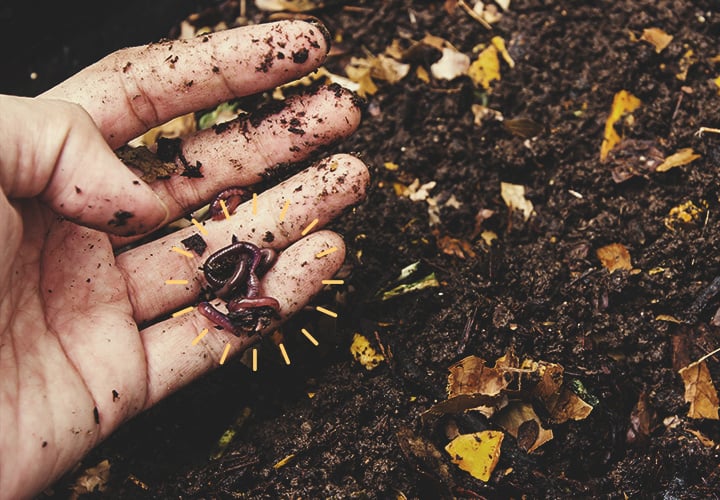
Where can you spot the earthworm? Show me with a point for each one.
(233, 197)
(233, 273)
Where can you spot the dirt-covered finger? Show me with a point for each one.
(174, 355)
(134, 89)
(276, 218)
(244, 151)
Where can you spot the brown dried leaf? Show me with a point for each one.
(520, 421)
(472, 376)
(641, 421)
(150, 166)
(454, 246)
(561, 403)
(700, 391)
(657, 38)
(614, 257)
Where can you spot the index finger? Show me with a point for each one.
(135, 89)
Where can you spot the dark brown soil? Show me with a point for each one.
(539, 288)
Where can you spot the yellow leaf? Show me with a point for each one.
(687, 60)
(700, 391)
(422, 74)
(476, 453)
(656, 37)
(485, 68)
(717, 83)
(177, 127)
(361, 76)
(623, 102)
(614, 256)
(364, 353)
(682, 157)
(499, 44)
(686, 213)
(392, 166)
(668, 318)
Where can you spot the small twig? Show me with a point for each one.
(708, 355)
(703, 130)
(467, 332)
(474, 14)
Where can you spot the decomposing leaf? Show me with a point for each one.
(700, 391)
(641, 421)
(614, 257)
(471, 375)
(453, 246)
(320, 74)
(424, 456)
(682, 157)
(476, 453)
(482, 113)
(474, 386)
(687, 213)
(668, 318)
(364, 353)
(428, 281)
(522, 127)
(150, 166)
(92, 479)
(704, 440)
(452, 64)
(486, 68)
(657, 38)
(362, 75)
(520, 421)
(623, 102)
(687, 60)
(222, 113)
(633, 157)
(561, 403)
(514, 197)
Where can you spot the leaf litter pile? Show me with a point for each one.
(531, 303)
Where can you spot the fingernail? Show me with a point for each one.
(323, 30)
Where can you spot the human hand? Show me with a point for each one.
(76, 360)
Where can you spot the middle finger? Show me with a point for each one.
(240, 152)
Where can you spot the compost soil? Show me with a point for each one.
(327, 427)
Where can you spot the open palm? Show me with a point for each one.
(87, 340)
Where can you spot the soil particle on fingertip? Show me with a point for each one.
(195, 243)
(120, 218)
(300, 56)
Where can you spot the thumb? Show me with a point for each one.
(52, 149)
